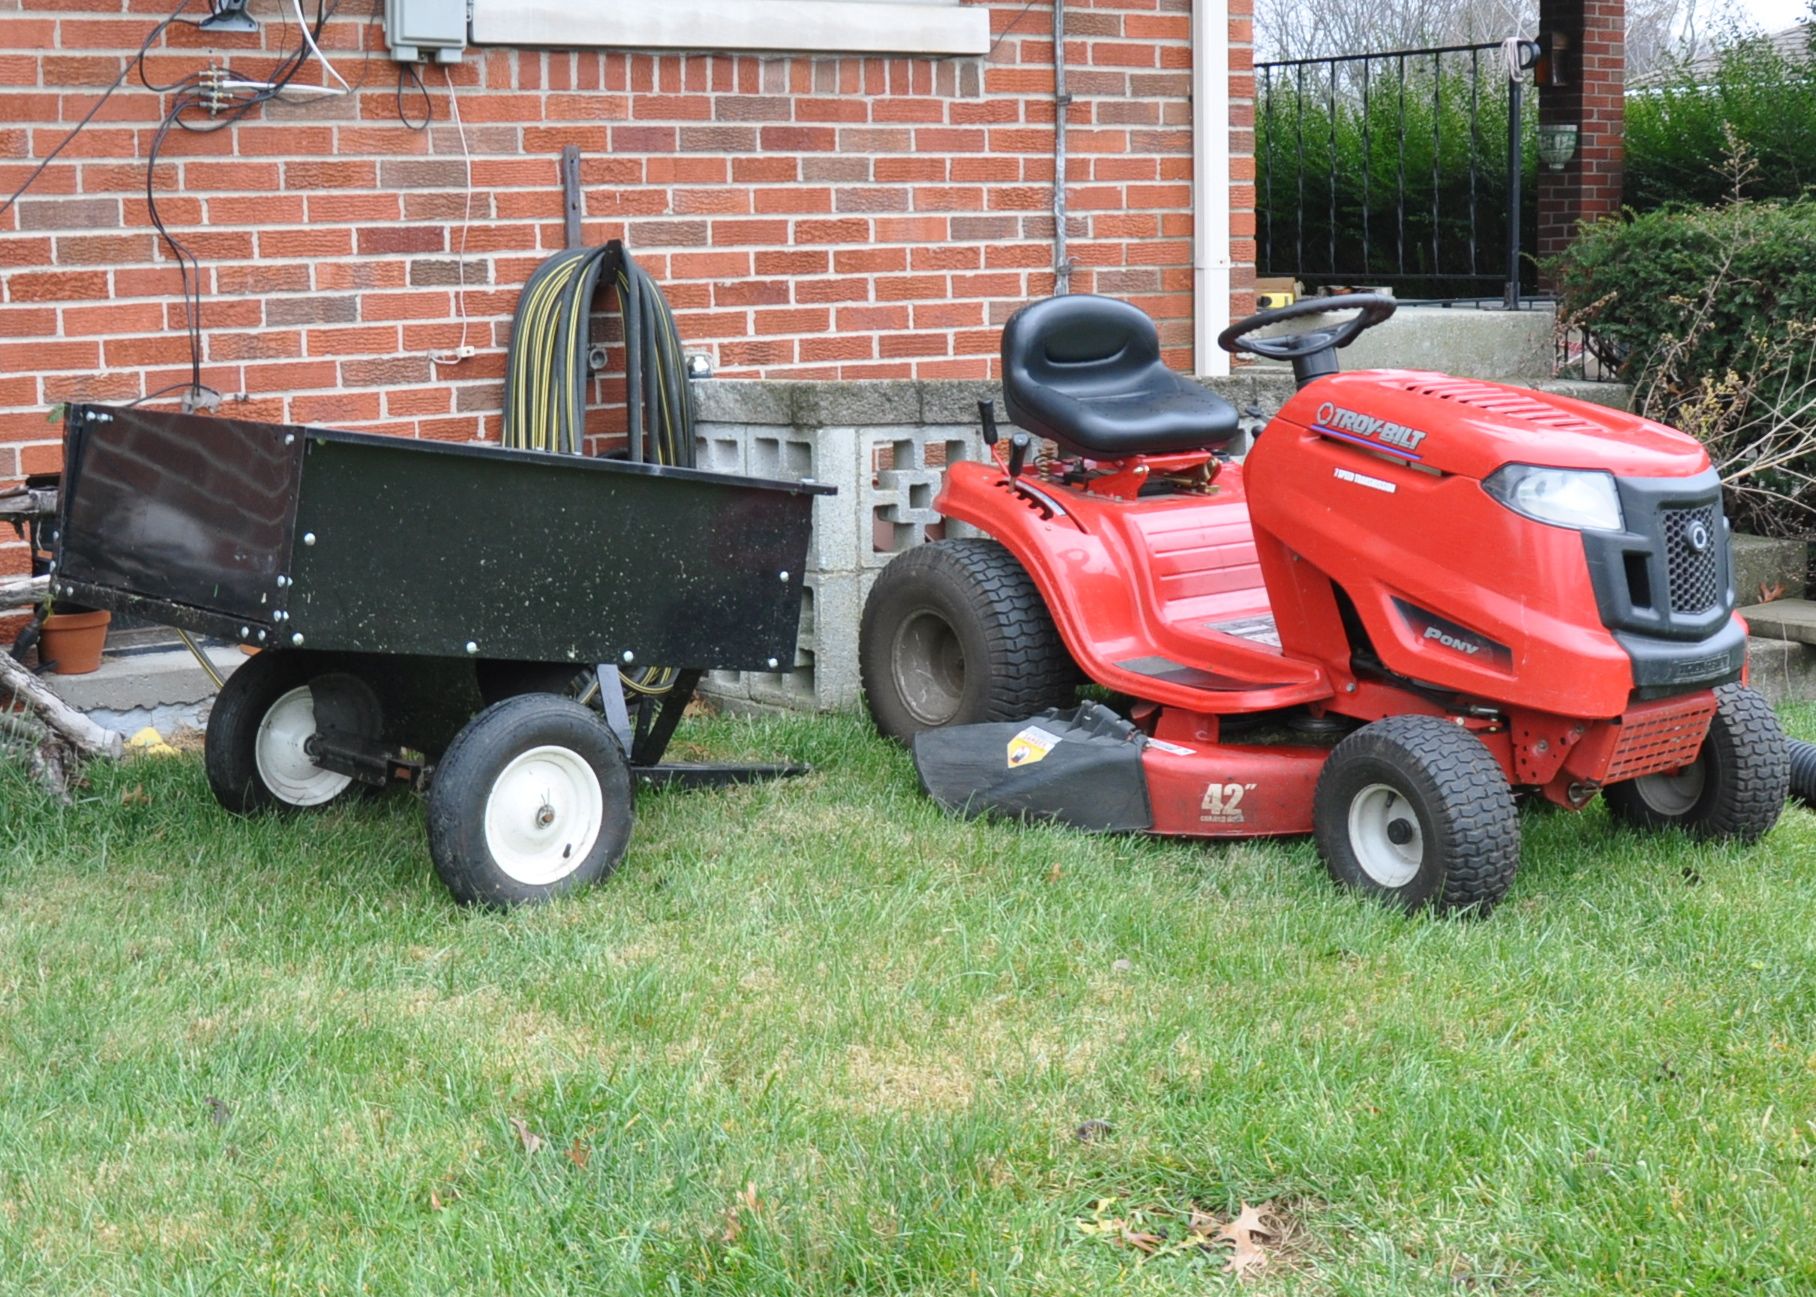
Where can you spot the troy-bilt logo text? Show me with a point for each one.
(1369, 430)
(1222, 803)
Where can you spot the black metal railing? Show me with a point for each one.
(1412, 169)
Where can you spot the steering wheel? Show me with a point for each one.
(1371, 308)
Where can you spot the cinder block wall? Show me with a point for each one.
(810, 216)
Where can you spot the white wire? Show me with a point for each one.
(316, 49)
(463, 351)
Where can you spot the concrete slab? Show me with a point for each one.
(1788, 619)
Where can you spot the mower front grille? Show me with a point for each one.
(1691, 562)
(1658, 737)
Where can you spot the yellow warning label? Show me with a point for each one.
(1030, 745)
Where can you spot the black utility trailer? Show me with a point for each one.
(461, 617)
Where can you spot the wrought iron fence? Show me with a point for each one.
(1407, 168)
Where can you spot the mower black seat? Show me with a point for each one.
(1086, 372)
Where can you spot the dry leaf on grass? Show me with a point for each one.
(1094, 1129)
(1243, 1243)
(745, 1204)
(1246, 1234)
(530, 1139)
(579, 1154)
(135, 796)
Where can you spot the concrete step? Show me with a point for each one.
(1471, 341)
(1787, 619)
(165, 689)
(1763, 565)
(1783, 670)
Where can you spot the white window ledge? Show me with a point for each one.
(818, 26)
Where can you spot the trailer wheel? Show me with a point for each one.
(262, 719)
(1734, 789)
(532, 799)
(1414, 811)
(954, 632)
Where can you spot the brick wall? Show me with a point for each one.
(1593, 62)
(829, 217)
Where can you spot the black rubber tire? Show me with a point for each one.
(465, 780)
(1006, 660)
(1803, 771)
(230, 747)
(1746, 773)
(1467, 825)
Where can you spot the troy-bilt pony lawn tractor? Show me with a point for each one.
(1417, 597)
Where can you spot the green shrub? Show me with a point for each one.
(1330, 167)
(1711, 314)
(1678, 127)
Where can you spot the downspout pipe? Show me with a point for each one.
(1062, 102)
(1210, 184)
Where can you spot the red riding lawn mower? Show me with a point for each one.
(1418, 598)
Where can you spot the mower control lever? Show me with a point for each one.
(1018, 453)
(1313, 353)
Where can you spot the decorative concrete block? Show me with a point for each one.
(897, 505)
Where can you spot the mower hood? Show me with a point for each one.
(1471, 428)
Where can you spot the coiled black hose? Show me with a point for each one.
(1803, 771)
(547, 373)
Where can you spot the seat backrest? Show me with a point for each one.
(1079, 345)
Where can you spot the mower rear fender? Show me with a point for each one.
(1093, 568)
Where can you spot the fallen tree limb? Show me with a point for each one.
(23, 591)
(55, 737)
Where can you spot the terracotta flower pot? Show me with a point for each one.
(73, 641)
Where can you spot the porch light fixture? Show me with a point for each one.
(1557, 144)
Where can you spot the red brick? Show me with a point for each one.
(776, 199)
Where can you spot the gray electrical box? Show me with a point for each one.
(426, 29)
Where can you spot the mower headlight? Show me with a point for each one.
(1585, 499)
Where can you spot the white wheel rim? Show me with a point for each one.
(543, 815)
(1377, 816)
(1675, 794)
(282, 756)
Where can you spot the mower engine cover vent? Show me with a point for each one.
(1081, 768)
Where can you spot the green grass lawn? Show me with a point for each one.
(815, 1038)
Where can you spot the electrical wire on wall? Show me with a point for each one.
(210, 99)
(462, 351)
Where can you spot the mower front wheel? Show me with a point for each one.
(1414, 811)
(955, 632)
(1735, 788)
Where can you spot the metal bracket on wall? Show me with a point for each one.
(572, 204)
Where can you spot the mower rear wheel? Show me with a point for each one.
(1414, 811)
(1735, 788)
(531, 800)
(955, 632)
